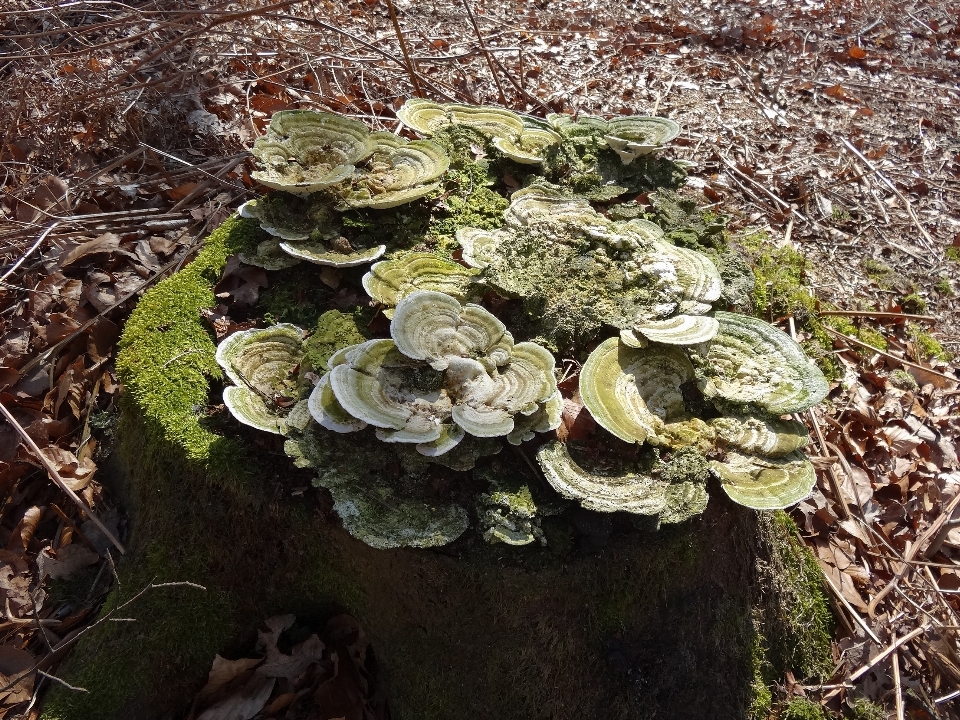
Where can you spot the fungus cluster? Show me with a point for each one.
(404, 430)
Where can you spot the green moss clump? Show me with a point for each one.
(167, 354)
(944, 286)
(798, 622)
(872, 337)
(802, 709)
(334, 330)
(914, 304)
(761, 699)
(297, 298)
(927, 346)
(863, 709)
(779, 290)
(685, 224)
(879, 272)
(903, 380)
(952, 253)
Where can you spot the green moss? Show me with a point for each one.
(802, 709)
(952, 253)
(928, 348)
(780, 290)
(334, 330)
(761, 699)
(944, 286)
(872, 337)
(914, 304)
(863, 709)
(684, 223)
(882, 274)
(797, 620)
(167, 355)
(903, 380)
(297, 298)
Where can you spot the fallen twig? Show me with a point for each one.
(55, 476)
(887, 652)
(867, 346)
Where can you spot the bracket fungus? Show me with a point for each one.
(305, 151)
(621, 490)
(398, 171)
(766, 483)
(750, 362)
(400, 429)
(448, 370)
(261, 364)
(630, 136)
(636, 393)
(520, 141)
(389, 281)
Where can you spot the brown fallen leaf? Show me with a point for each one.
(106, 243)
(67, 561)
(241, 282)
(14, 662)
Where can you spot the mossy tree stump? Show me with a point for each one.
(611, 619)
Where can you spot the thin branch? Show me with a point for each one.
(55, 476)
(411, 68)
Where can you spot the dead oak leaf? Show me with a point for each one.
(106, 243)
(66, 562)
(241, 282)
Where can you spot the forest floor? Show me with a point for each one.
(827, 133)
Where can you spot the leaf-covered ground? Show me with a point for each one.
(826, 131)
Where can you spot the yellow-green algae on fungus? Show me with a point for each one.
(305, 151)
(389, 281)
(750, 362)
(398, 171)
(517, 140)
(673, 497)
(635, 393)
(261, 364)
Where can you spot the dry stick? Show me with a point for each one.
(846, 604)
(880, 315)
(55, 476)
(847, 338)
(486, 53)
(892, 648)
(834, 483)
(898, 697)
(18, 263)
(403, 49)
(924, 538)
(203, 186)
(194, 168)
(781, 203)
(852, 148)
